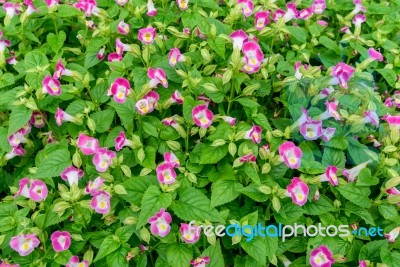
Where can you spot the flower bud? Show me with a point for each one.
(120, 190)
(173, 145)
(126, 170)
(265, 189)
(232, 149)
(145, 235)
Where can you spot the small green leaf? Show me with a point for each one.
(356, 194)
(53, 164)
(109, 245)
(20, 116)
(34, 60)
(103, 120)
(56, 41)
(224, 191)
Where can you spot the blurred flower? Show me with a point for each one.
(342, 74)
(358, 20)
(119, 89)
(102, 159)
(16, 151)
(101, 202)
(60, 240)
(247, 7)
(298, 191)
(261, 19)
(123, 28)
(228, 119)
(175, 56)
(311, 129)
(74, 262)
(323, 23)
(38, 119)
(30, 7)
(291, 12)
(32, 189)
(160, 223)
(16, 138)
(114, 57)
(305, 13)
(290, 154)
(166, 173)
(392, 235)
(62, 116)
(24, 244)
(370, 116)
(202, 116)
(89, 6)
(157, 76)
(200, 261)
(254, 134)
(72, 175)
(51, 86)
(182, 4)
(170, 157)
(318, 6)
(375, 55)
(148, 103)
(3, 263)
(87, 144)
(151, 10)
(328, 133)
(248, 158)
(93, 186)
(279, 13)
(121, 2)
(147, 35)
(321, 256)
(238, 37)
(253, 54)
(189, 233)
(352, 174)
(100, 54)
(330, 175)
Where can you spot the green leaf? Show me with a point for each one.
(118, 257)
(124, 233)
(371, 250)
(103, 120)
(271, 246)
(126, 112)
(19, 117)
(328, 43)
(211, 155)
(359, 153)
(333, 157)
(356, 194)
(224, 191)
(389, 75)
(218, 45)
(56, 41)
(35, 60)
(150, 129)
(255, 248)
(321, 206)
(150, 158)
(389, 212)
(109, 245)
(194, 205)
(6, 79)
(215, 254)
(252, 173)
(65, 11)
(298, 33)
(53, 164)
(178, 254)
(188, 106)
(366, 179)
(363, 213)
(247, 102)
(136, 187)
(153, 200)
(391, 258)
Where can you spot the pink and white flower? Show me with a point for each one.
(11, 9)
(123, 28)
(121, 141)
(352, 174)
(147, 35)
(254, 134)
(24, 244)
(331, 111)
(392, 235)
(166, 173)
(74, 262)
(170, 157)
(60, 240)
(330, 175)
(26, 129)
(88, 145)
(249, 69)
(328, 133)
(305, 13)
(393, 121)
(175, 56)
(101, 202)
(94, 186)
(248, 158)
(16, 151)
(121, 2)
(114, 57)
(358, 20)
(160, 223)
(311, 129)
(62, 116)
(51, 3)
(30, 7)
(253, 54)
(51, 86)
(362, 263)
(370, 116)
(38, 119)
(247, 7)
(61, 70)
(119, 89)
(89, 6)
(100, 55)
(12, 60)
(261, 19)
(157, 76)
(38, 191)
(170, 121)
(120, 48)
(200, 261)
(182, 4)
(3, 263)
(318, 6)
(291, 12)
(396, 99)
(321, 257)
(72, 175)
(297, 67)
(189, 233)
(102, 159)
(279, 13)
(290, 154)
(238, 37)
(16, 138)
(23, 189)
(323, 23)
(375, 55)
(342, 74)
(230, 120)
(176, 97)
(148, 103)
(202, 116)
(151, 10)
(358, 7)
(298, 191)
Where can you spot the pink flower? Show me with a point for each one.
(159, 223)
(119, 89)
(87, 144)
(100, 54)
(60, 240)
(230, 120)
(331, 111)
(298, 191)
(93, 186)
(11, 60)
(151, 10)
(121, 2)
(72, 175)
(38, 119)
(199, 33)
(358, 20)
(393, 191)
(261, 19)
(157, 76)
(51, 86)
(311, 129)
(121, 141)
(176, 97)
(248, 158)
(342, 74)
(11, 9)
(5, 264)
(123, 28)
(51, 3)
(148, 103)
(175, 56)
(297, 67)
(170, 122)
(120, 48)
(318, 6)
(24, 244)
(394, 121)
(362, 263)
(249, 69)
(166, 173)
(330, 175)
(16, 138)
(62, 116)
(352, 174)
(328, 133)
(90, 24)
(114, 57)
(147, 35)
(321, 257)
(38, 191)
(30, 7)
(202, 116)
(247, 7)
(323, 23)
(290, 154)
(101, 202)
(200, 261)
(396, 99)
(291, 12)
(182, 4)
(238, 37)
(16, 151)
(253, 54)
(358, 7)
(23, 188)
(375, 55)
(61, 70)
(170, 157)
(89, 6)
(305, 13)
(26, 129)
(370, 116)
(189, 233)
(74, 262)
(254, 134)
(392, 235)
(102, 159)
(279, 13)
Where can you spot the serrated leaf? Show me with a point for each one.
(56, 41)
(356, 194)
(20, 116)
(389, 75)
(215, 254)
(103, 120)
(211, 155)
(255, 248)
(34, 60)
(224, 191)
(178, 254)
(321, 206)
(53, 164)
(218, 45)
(108, 246)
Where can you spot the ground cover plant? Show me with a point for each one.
(127, 127)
